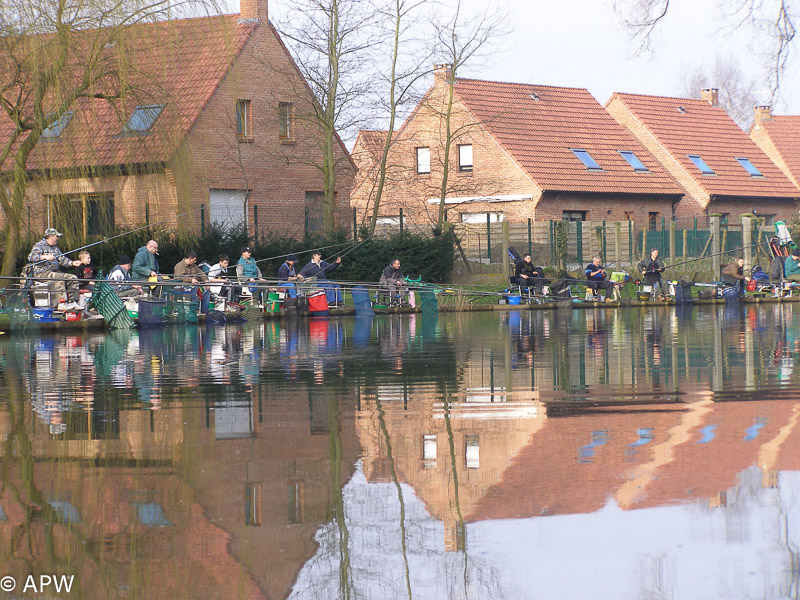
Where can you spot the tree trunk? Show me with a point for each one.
(11, 249)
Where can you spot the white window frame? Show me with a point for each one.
(423, 156)
(464, 153)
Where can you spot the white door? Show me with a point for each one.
(228, 208)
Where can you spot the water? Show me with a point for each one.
(642, 453)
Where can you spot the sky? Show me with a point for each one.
(581, 43)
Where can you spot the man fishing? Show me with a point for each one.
(651, 270)
(733, 275)
(248, 272)
(145, 264)
(596, 278)
(46, 258)
(288, 274)
(791, 266)
(321, 269)
(393, 279)
(120, 275)
(526, 275)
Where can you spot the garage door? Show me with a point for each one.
(228, 208)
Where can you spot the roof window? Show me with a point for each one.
(749, 167)
(681, 109)
(700, 164)
(143, 118)
(535, 96)
(57, 127)
(633, 161)
(586, 159)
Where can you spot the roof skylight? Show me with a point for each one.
(633, 160)
(57, 127)
(143, 118)
(701, 164)
(586, 159)
(749, 167)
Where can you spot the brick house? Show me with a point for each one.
(779, 138)
(719, 167)
(518, 151)
(217, 120)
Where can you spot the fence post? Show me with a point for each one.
(604, 242)
(29, 222)
(630, 242)
(401, 221)
(716, 265)
(672, 240)
(694, 247)
(747, 241)
(504, 259)
(305, 223)
(685, 243)
(530, 239)
(489, 236)
(147, 213)
(618, 245)
(202, 220)
(579, 241)
(551, 243)
(255, 223)
(355, 225)
(644, 243)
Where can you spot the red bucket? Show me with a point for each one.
(318, 304)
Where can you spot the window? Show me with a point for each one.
(83, 216)
(573, 215)
(465, 157)
(586, 159)
(295, 502)
(252, 505)
(652, 221)
(143, 118)
(472, 451)
(429, 449)
(749, 167)
(495, 217)
(56, 128)
(313, 215)
(633, 160)
(423, 160)
(700, 164)
(243, 119)
(285, 120)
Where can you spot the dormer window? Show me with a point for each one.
(57, 127)
(749, 167)
(143, 118)
(586, 159)
(701, 164)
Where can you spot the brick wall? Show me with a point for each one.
(760, 136)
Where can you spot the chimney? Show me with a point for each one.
(710, 95)
(763, 113)
(442, 74)
(253, 10)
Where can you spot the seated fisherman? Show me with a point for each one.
(733, 275)
(651, 270)
(321, 269)
(46, 258)
(288, 273)
(86, 272)
(188, 272)
(392, 278)
(145, 265)
(791, 266)
(118, 277)
(247, 271)
(219, 272)
(596, 278)
(526, 275)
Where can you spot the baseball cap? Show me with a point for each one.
(315, 252)
(52, 231)
(796, 252)
(291, 258)
(246, 249)
(124, 259)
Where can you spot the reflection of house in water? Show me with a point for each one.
(449, 453)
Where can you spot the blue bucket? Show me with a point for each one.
(515, 299)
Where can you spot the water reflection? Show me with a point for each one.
(460, 456)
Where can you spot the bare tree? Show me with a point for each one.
(405, 72)
(330, 41)
(737, 93)
(52, 54)
(770, 22)
(460, 38)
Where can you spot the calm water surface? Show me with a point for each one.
(626, 454)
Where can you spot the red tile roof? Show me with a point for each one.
(179, 64)
(785, 134)
(369, 145)
(538, 125)
(685, 126)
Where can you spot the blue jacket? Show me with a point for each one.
(285, 271)
(143, 264)
(598, 275)
(320, 271)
